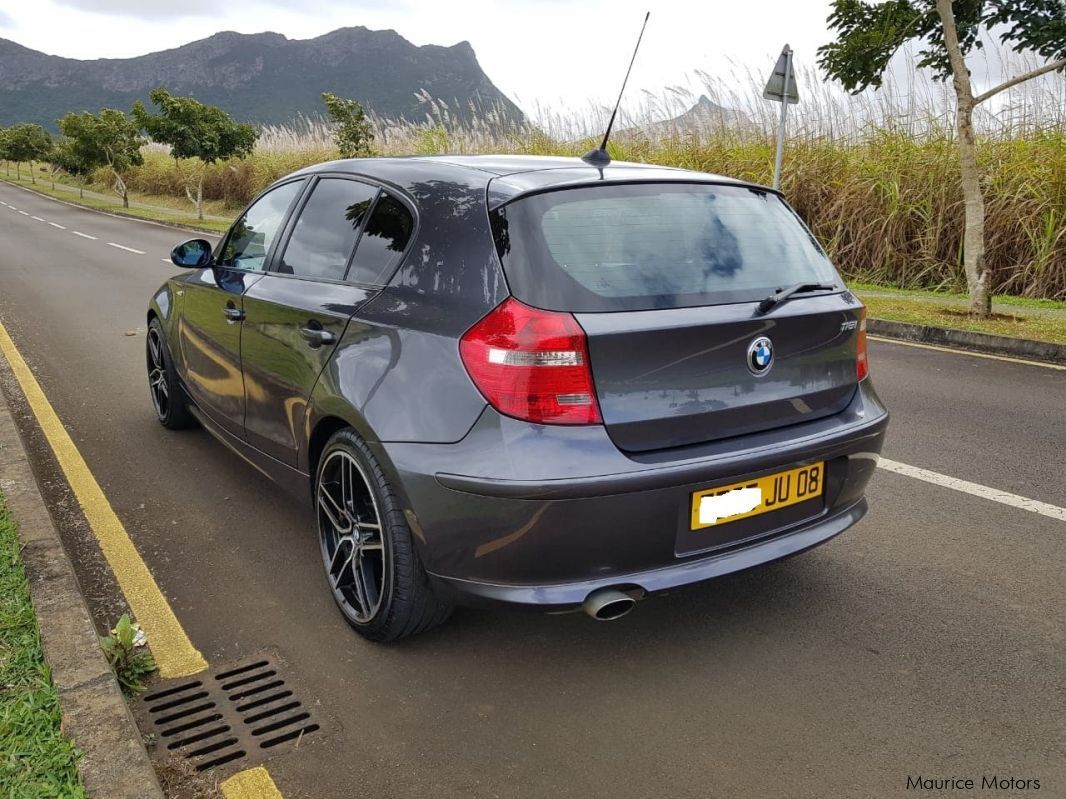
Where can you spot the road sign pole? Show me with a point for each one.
(784, 119)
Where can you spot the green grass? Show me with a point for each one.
(1038, 327)
(36, 760)
(176, 217)
(1004, 299)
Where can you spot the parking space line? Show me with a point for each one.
(976, 489)
(83, 235)
(173, 651)
(252, 783)
(954, 351)
(124, 247)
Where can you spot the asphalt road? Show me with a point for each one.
(927, 640)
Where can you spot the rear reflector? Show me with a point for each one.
(532, 364)
(862, 365)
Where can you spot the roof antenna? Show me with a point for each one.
(599, 157)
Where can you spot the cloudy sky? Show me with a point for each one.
(544, 54)
(537, 51)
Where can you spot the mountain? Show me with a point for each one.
(263, 78)
(703, 117)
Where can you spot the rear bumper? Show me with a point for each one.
(572, 594)
(535, 515)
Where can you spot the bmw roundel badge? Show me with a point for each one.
(760, 356)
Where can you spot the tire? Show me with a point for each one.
(372, 567)
(168, 399)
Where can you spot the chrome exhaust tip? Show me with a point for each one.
(607, 604)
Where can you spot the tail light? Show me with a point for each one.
(862, 365)
(532, 364)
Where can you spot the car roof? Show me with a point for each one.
(506, 177)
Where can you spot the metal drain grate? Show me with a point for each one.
(242, 712)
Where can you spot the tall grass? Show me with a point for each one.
(875, 175)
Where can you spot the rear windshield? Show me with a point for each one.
(644, 246)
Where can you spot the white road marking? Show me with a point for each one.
(24, 213)
(37, 218)
(955, 351)
(165, 260)
(124, 247)
(83, 235)
(56, 224)
(976, 489)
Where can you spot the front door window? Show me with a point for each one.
(249, 240)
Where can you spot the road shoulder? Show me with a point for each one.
(1026, 349)
(114, 763)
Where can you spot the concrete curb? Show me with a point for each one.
(114, 763)
(964, 339)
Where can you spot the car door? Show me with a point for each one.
(209, 329)
(299, 311)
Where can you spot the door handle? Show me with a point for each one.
(316, 336)
(233, 314)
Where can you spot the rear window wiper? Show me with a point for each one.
(783, 295)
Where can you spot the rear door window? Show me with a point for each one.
(647, 246)
(386, 236)
(327, 229)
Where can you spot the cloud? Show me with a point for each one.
(156, 10)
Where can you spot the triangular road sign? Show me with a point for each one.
(775, 86)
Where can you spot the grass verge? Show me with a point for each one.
(151, 214)
(36, 760)
(1000, 299)
(1017, 324)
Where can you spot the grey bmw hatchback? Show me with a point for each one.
(525, 380)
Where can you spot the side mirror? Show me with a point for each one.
(192, 254)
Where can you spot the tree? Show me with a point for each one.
(108, 139)
(67, 157)
(869, 34)
(27, 143)
(353, 135)
(194, 130)
(5, 154)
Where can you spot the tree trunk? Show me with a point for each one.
(973, 242)
(18, 170)
(200, 198)
(33, 176)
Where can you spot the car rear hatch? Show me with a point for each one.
(666, 280)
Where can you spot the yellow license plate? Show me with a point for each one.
(717, 506)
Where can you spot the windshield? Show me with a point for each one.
(647, 246)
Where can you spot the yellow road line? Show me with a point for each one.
(956, 351)
(173, 651)
(253, 783)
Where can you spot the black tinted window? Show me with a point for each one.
(383, 242)
(325, 233)
(250, 237)
(640, 247)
